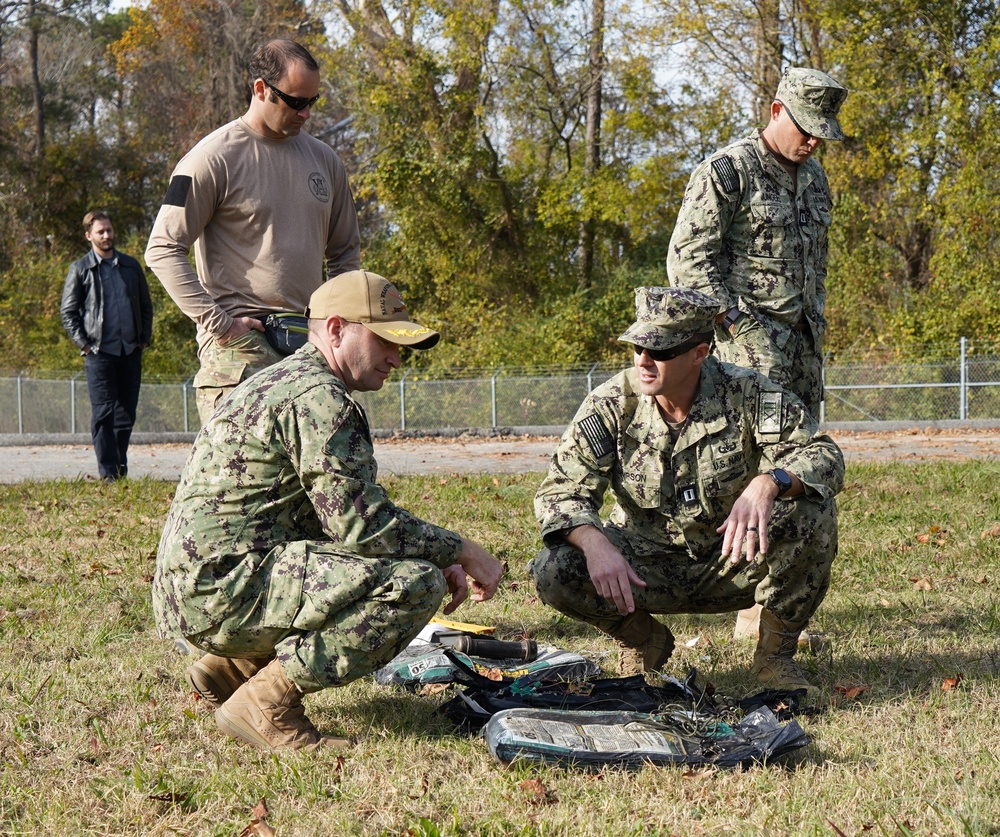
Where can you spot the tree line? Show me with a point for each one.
(517, 164)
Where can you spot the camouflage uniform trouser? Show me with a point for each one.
(797, 367)
(223, 368)
(330, 616)
(791, 583)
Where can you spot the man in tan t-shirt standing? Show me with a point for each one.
(264, 205)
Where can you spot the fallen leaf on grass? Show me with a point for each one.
(425, 785)
(536, 792)
(850, 692)
(258, 825)
(172, 798)
(950, 683)
(98, 567)
(921, 584)
(432, 689)
(992, 532)
(707, 773)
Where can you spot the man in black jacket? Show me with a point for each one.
(107, 312)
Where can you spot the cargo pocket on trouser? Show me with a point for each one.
(211, 384)
(803, 544)
(346, 614)
(223, 368)
(310, 583)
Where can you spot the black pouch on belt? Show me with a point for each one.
(286, 332)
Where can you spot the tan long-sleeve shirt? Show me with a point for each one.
(263, 216)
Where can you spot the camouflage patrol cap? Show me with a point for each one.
(367, 298)
(668, 317)
(813, 100)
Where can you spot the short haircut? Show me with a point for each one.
(95, 215)
(270, 60)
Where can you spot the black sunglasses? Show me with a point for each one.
(296, 103)
(668, 354)
(798, 127)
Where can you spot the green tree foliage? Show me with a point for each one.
(464, 125)
(914, 261)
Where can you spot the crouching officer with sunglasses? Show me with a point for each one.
(723, 489)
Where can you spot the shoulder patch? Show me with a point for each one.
(769, 410)
(177, 191)
(597, 435)
(725, 170)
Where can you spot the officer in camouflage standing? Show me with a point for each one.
(282, 557)
(752, 231)
(723, 490)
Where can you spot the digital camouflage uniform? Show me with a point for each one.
(756, 238)
(670, 497)
(279, 538)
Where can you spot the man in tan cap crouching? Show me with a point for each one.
(282, 558)
(723, 494)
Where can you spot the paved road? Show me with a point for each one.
(481, 455)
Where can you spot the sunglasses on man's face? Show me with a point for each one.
(668, 354)
(296, 103)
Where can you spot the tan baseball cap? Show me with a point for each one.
(372, 300)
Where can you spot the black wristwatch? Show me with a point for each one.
(732, 318)
(782, 480)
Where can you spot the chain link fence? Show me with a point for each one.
(940, 383)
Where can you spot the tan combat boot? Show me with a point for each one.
(267, 712)
(216, 678)
(645, 643)
(773, 662)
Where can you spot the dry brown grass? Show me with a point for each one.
(98, 734)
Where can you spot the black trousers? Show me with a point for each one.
(113, 383)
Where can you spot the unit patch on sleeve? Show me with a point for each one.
(177, 191)
(598, 437)
(725, 170)
(769, 412)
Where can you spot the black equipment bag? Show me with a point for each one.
(286, 332)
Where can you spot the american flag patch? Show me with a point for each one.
(600, 440)
(725, 170)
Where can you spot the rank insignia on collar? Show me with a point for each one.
(769, 412)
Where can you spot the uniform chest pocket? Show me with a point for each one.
(821, 216)
(641, 478)
(773, 227)
(730, 475)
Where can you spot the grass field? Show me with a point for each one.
(99, 735)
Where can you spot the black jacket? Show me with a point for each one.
(82, 306)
